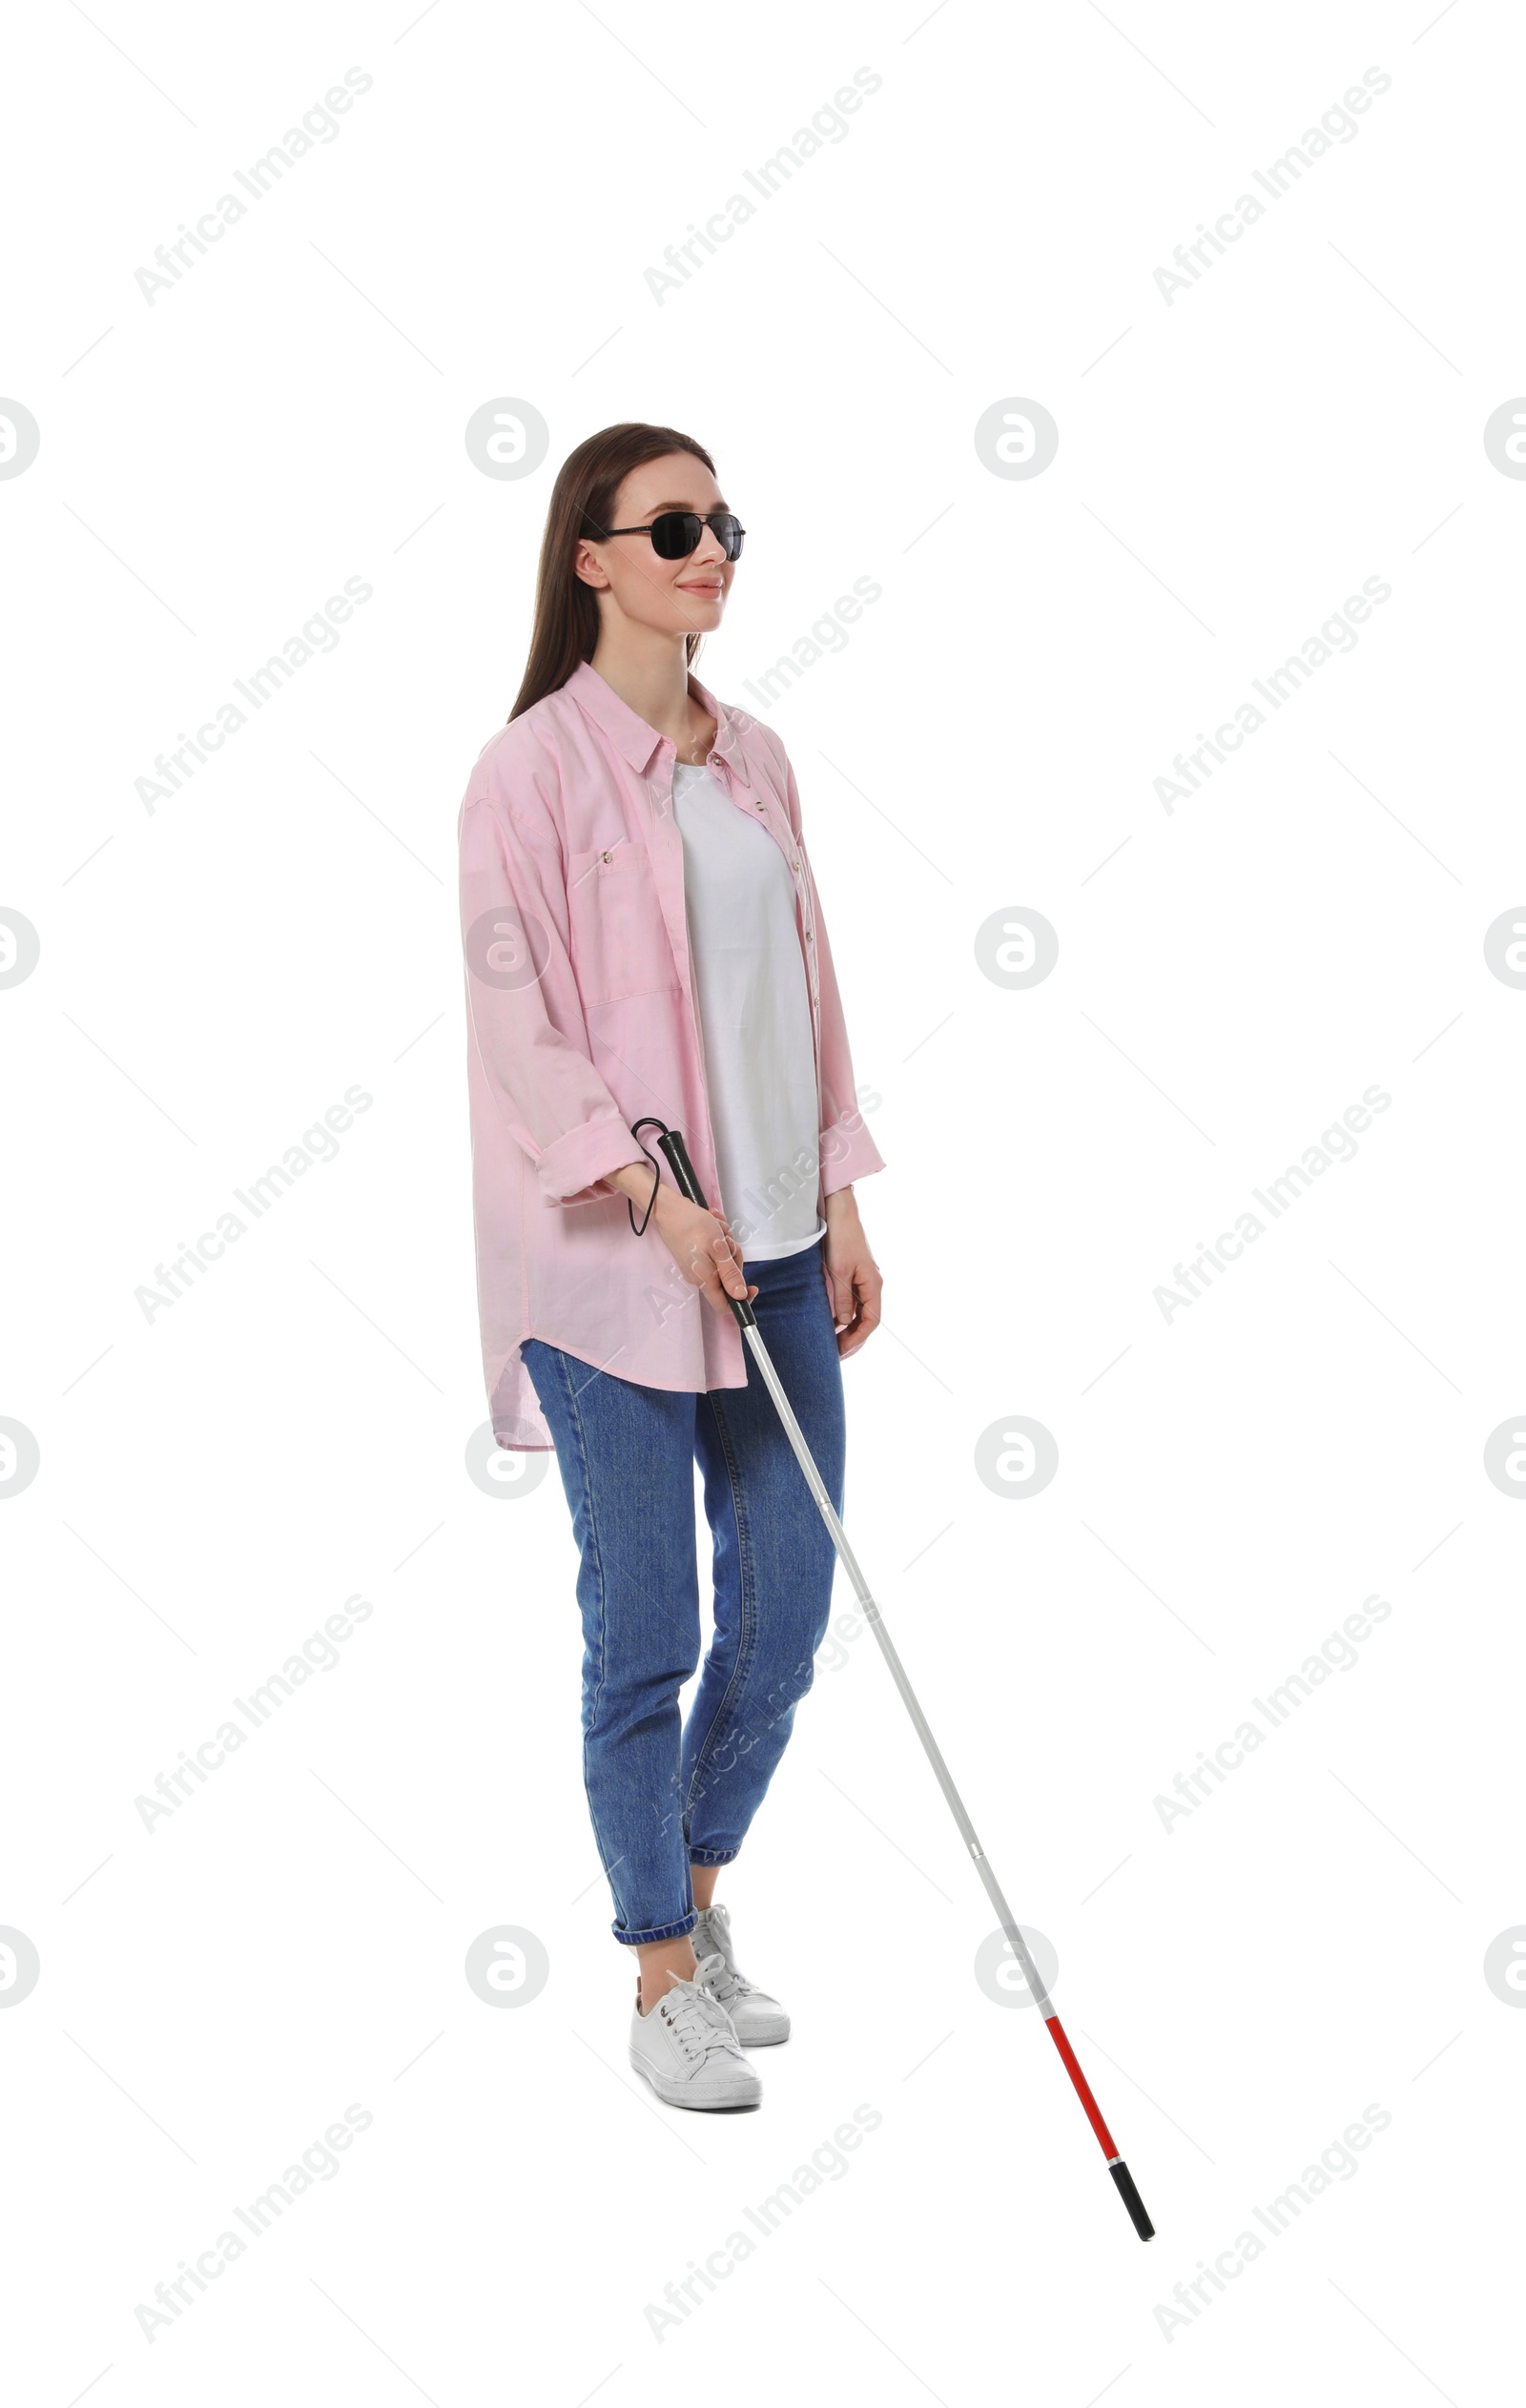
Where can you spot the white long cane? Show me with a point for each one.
(676, 1153)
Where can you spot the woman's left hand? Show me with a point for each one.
(853, 1275)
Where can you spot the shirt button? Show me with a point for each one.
(604, 856)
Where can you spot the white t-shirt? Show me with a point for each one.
(754, 1010)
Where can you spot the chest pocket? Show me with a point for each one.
(619, 939)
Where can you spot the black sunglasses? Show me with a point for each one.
(676, 533)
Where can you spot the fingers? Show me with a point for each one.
(727, 1269)
(869, 1311)
(748, 1288)
(724, 1275)
(840, 1277)
(709, 1258)
(858, 1288)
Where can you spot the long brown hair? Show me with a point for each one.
(566, 614)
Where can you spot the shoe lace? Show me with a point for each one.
(696, 2015)
(726, 1982)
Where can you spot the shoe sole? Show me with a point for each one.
(675, 2098)
(763, 2039)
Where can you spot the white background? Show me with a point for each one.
(1233, 1482)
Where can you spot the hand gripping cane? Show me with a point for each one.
(676, 1152)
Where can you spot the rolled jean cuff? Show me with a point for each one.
(714, 1856)
(679, 1930)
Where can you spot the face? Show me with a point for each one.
(671, 597)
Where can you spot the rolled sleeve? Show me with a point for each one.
(523, 1005)
(569, 1168)
(848, 1152)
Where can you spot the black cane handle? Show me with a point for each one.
(687, 1181)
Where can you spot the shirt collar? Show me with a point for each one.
(626, 730)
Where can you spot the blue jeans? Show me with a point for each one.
(663, 1794)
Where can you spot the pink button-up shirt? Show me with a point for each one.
(583, 1017)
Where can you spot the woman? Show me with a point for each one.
(641, 938)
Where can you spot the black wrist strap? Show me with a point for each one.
(648, 1120)
(657, 1182)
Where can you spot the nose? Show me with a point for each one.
(710, 552)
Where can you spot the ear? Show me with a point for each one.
(586, 564)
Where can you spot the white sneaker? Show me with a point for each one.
(759, 2020)
(688, 2049)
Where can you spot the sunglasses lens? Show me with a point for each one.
(675, 534)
